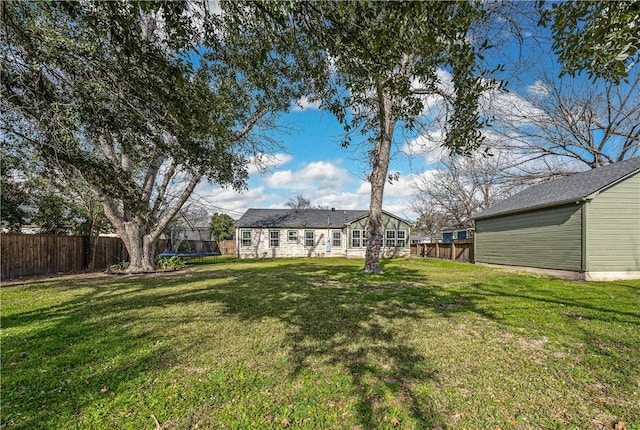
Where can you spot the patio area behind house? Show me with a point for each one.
(311, 343)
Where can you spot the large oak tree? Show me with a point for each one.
(141, 100)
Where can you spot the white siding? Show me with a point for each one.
(260, 244)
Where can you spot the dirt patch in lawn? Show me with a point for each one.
(85, 276)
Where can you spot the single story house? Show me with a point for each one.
(585, 226)
(451, 234)
(414, 239)
(314, 233)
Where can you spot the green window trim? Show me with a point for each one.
(357, 238)
(395, 238)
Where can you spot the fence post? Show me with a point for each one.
(453, 250)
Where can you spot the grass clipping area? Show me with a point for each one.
(313, 343)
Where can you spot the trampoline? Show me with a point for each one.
(189, 242)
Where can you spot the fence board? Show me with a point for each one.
(460, 250)
(43, 254)
(227, 247)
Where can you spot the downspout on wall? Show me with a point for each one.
(583, 226)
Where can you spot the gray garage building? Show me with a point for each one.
(586, 225)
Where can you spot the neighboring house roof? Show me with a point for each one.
(577, 187)
(419, 238)
(295, 218)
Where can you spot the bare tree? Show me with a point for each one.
(464, 186)
(584, 123)
(431, 219)
(298, 202)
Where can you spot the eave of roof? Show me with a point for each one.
(302, 218)
(530, 208)
(297, 218)
(561, 191)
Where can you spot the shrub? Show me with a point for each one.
(170, 263)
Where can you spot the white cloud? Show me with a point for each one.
(229, 201)
(427, 145)
(538, 88)
(282, 179)
(263, 162)
(397, 196)
(341, 199)
(305, 104)
(324, 183)
(364, 188)
(433, 103)
(509, 107)
(314, 175)
(398, 188)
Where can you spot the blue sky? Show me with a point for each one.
(312, 163)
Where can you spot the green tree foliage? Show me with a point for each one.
(53, 215)
(141, 100)
(383, 59)
(51, 203)
(13, 194)
(600, 37)
(222, 226)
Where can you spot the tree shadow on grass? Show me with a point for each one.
(112, 335)
(80, 350)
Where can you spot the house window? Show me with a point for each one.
(336, 239)
(357, 238)
(396, 238)
(246, 238)
(309, 238)
(292, 236)
(274, 238)
(390, 239)
(402, 238)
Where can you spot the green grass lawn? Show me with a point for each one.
(313, 343)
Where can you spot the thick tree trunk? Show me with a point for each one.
(378, 178)
(141, 248)
(375, 242)
(374, 229)
(139, 237)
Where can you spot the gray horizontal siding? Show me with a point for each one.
(547, 238)
(613, 228)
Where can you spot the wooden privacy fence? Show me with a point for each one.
(460, 250)
(227, 247)
(43, 254)
(223, 247)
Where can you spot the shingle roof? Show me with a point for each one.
(296, 218)
(571, 188)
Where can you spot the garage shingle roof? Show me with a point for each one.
(296, 218)
(565, 190)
